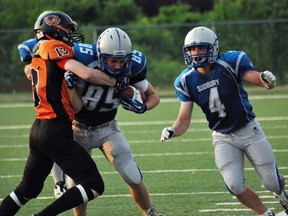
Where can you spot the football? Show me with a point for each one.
(134, 93)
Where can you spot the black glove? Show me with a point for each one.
(71, 79)
(121, 83)
(133, 105)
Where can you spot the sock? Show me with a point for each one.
(282, 195)
(9, 207)
(268, 213)
(68, 200)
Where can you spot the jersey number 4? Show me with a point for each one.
(215, 104)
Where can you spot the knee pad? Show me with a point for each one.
(236, 187)
(273, 183)
(130, 173)
(96, 185)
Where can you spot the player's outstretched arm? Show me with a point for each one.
(265, 79)
(181, 124)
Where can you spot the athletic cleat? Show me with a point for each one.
(152, 212)
(59, 189)
(283, 199)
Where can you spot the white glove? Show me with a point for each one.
(167, 133)
(268, 78)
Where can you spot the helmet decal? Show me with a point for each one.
(52, 20)
(119, 52)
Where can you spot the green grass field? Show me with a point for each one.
(181, 173)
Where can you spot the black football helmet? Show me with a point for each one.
(57, 25)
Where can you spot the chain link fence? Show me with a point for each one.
(265, 42)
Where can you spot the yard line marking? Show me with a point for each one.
(225, 210)
(146, 154)
(180, 194)
(156, 141)
(281, 214)
(152, 194)
(163, 100)
(251, 97)
(16, 105)
(154, 172)
(137, 131)
(274, 118)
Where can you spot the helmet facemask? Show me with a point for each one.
(115, 72)
(199, 60)
(200, 37)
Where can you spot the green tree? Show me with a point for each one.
(258, 27)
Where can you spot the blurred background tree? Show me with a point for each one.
(157, 28)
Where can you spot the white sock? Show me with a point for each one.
(268, 213)
(282, 195)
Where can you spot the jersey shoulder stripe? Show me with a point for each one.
(180, 85)
(236, 62)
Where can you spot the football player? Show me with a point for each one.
(51, 137)
(213, 81)
(26, 51)
(95, 125)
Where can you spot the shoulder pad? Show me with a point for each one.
(139, 64)
(55, 50)
(85, 53)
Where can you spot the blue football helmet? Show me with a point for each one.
(114, 43)
(200, 36)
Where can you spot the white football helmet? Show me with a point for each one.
(114, 43)
(200, 36)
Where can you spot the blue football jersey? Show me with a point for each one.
(27, 49)
(101, 102)
(85, 53)
(220, 93)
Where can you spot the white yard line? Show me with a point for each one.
(131, 123)
(163, 100)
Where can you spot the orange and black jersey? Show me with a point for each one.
(50, 92)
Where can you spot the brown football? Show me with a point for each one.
(130, 90)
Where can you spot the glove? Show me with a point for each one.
(268, 78)
(71, 79)
(121, 83)
(167, 133)
(132, 105)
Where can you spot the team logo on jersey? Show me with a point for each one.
(52, 20)
(207, 85)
